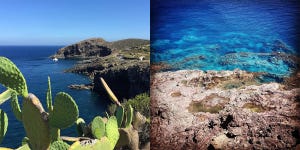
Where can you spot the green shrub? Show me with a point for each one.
(140, 103)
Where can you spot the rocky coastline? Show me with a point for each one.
(124, 64)
(194, 109)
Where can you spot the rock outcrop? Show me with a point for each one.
(126, 79)
(97, 47)
(124, 64)
(222, 110)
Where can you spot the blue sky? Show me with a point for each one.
(61, 22)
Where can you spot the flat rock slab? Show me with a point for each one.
(191, 109)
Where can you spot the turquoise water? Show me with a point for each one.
(225, 35)
(35, 65)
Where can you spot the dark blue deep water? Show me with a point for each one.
(35, 65)
(225, 34)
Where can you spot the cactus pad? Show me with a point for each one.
(65, 111)
(3, 124)
(54, 134)
(112, 131)
(49, 96)
(25, 141)
(14, 103)
(93, 144)
(129, 115)
(98, 127)
(11, 77)
(6, 95)
(120, 115)
(24, 147)
(35, 122)
(59, 145)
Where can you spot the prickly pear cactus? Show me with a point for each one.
(3, 124)
(120, 115)
(59, 145)
(93, 144)
(25, 141)
(129, 115)
(54, 134)
(11, 77)
(35, 123)
(5, 96)
(14, 103)
(112, 131)
(98, 127)
(24, 147)
(65, 111)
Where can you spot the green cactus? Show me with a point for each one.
(3, 124)
(120, 115)
(54, 134)
(112, 132)
(35, 122)
(129, 116)
(98, 127)
(25, 141)
(14, 103)
(65, 111)
(93, 144)
(24, 147)
(11, 77)
(49, 96)
(59, 145)
(6, 95)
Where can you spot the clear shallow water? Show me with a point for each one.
(225, 35)
(35, 65)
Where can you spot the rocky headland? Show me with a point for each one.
(124, 64)
(193, 109)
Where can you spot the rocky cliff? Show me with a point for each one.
(223, 110)
(97, 47)
(124, 64)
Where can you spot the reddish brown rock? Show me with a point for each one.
(248, 116)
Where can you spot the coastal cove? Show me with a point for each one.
(35, 64)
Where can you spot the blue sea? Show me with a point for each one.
(225, 34)
(36, 66)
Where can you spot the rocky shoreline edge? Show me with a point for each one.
(194, 109)
(124, 64)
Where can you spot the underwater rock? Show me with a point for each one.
(252, 115)
(81, 86)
